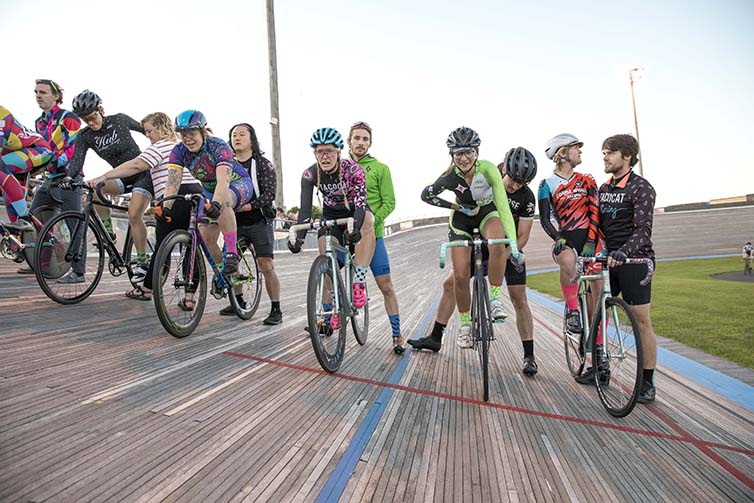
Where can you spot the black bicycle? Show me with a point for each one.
(78, 241)
(482, 331)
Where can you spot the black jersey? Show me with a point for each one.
(112, 142)
(626, 210)
(522, 204)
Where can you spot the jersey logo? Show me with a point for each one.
(308, 174)
(461, 188)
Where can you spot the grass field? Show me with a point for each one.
(692, 307)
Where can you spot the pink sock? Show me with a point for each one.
(599, 334)
(571, 294)
(230, 242)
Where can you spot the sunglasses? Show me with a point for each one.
(361, 125)
(55, 88)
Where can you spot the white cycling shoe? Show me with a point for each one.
(464, 339)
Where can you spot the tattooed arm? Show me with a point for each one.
(175, 175)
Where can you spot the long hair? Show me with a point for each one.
(163, 124)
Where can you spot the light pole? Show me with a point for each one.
(274, 109)
(631, 79)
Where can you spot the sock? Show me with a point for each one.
(571, 294)
(395, 324)
(141, 257)
(231, 242)
(437, 330)
(649, 376)
(327, 307)
(108, 223)
(465, 318)
(494, 291)
(361, 274)
(276, 305)
(528, 348)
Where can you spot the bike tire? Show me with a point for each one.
(575, 348)
(329, 353)
(129, 257)
(171, 283)
(360, 316)
(248, 281)
(29, 238)
(623, 351)
(51, 255)
(482, 331)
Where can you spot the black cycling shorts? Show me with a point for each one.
(462, 226)
(512, 276)
(261, 235)
(624, 280)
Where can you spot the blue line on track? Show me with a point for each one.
(336, 484)
(722, 384)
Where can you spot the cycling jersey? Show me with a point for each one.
(203, 165)
(380, 193)
(156, 156)
(626, 209)
(571, 203)
(486, 188)
(17, 136)
(60, 128)
(747, 252)
(263, 175)
(522, 204)
(112, 142)
(343, 191)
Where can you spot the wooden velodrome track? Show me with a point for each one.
(97, 403)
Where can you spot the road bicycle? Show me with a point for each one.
(180, 276)
(78, 240)
(613, 334)
(329, 296)
(482, 332)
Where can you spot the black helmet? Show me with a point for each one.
(86, 102)
(462, 139)
(520, 165)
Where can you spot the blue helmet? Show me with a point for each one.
(190, 119)
(326, 136)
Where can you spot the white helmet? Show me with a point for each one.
(562, 140)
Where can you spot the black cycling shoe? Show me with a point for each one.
(573, 321)
(426, 343)
(588, 376)
(398, 347)
(530, 366)
(228, 310)
(274, 318)
(324, 329)
(647, 393)
(231, 263)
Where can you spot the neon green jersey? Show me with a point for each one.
(380, 193)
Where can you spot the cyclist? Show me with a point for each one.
(254, 220)
(22, 151)
(570, 199)
(210, 160)
(626, 208)
(60, 128)
(110, 138)
(342, 186)
(481, 203)
(381, 200)
(518, 169)
(747, 253)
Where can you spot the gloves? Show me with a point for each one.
(66, 183)
(213, 210)
(352, 237)
(163, 214)
(517, 260)
(619, 257)
(470, 211)
(295, 247)
(588, 250)
(559, 246)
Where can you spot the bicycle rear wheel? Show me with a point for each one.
(482, 327)
(67, 244)
(575, 348)
(622, 351)
(174, 281)
(360, 316)
(129, 255)
(247, 282)
(329, 345)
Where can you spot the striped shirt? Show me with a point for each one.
(157, 156)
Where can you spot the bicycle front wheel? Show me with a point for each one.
(247, 282)
(360, 316)
(575, 348)
(69, 258)
(180, 290)
(329, 343)
(622, 352)
(482, 328)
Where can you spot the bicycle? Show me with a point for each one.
(620, 349)
(71, 237)
(482, 331)
(180, 276)
(329, 294)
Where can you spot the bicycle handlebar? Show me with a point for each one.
(186, 197)
(603, 260)
(457, 244)
(294, 229)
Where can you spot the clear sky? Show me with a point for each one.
(516, 72)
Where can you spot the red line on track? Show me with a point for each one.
(685, 436)
(679, 438)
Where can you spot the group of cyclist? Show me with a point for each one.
(240, 184)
